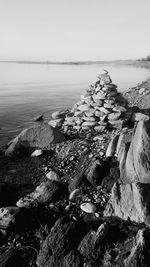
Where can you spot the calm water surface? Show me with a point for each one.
(27, 90)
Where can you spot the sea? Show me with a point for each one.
(27, 90)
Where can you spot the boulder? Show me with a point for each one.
(130, 201)
(138, 156)
(43, 193)
(38, 136)
(62, 239)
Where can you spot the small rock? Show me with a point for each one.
(39, 118)
(7, 216)
(52, 176)
(88, 207)
(37, 153)
(142, 90)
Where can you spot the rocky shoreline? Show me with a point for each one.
(75, 191)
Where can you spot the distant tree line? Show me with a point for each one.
(145, 59)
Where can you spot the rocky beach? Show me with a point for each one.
(75, 191)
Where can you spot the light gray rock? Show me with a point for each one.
(56, 123)
(119, 109)
(89, 118)
(7, 216)
(88, 207)
(53, 176)
(83, 107)
(40, 137)
(60, 114)
(43, 193)
(138, 156)
(100, 128)
(89, 123)
(114, 116)
(104, 110)
(130, 201)
(142, 90)
(138, 116)
(112, 146)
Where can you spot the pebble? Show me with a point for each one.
(52, 176)
(88, 207)
(37, 153)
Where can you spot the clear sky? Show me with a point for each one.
(74, 29)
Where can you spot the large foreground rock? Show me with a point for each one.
(41, 136)
(138, 156)
(130, 201)
(60, 242)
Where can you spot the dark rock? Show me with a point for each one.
(63, 238)
(41, 136)
(72, 259)
(38, 118)
(96, 171)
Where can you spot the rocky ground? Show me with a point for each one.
(55, 208)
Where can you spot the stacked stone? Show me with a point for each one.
(100, 107)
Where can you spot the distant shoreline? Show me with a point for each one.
(136, 63)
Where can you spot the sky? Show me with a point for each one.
(65, 30)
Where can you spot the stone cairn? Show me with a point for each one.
(100, 108)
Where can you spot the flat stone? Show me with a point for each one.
(99, 113)
(114, 116)
(60, 114)
(99, 128)
(106, 105)
(119, 109)
(77, 127)
(90, 112)
(89, 118)
(117, 124)
(88, 207)
(89, 123)
(104, 110)
(37, 153)
(83, 107)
